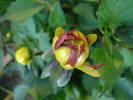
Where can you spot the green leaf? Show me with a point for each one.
(64, 78)
(90, 83)
(38, 62)
(126, 38)
(55, 74)
(112, 69)
(128, 56)
(87, 23)
(41, 88)
(20, 92)
(27, 28)
(113, 13)
(56, 17)
(43, 1)
(33, 92)
(3, 5)
(72, 93)
(59, 96)
(43, 40)
(86, 16)
(1, 54)
(24, 33)
(124, 89)
(21, 10)
(84, 9)
(1, 58)
(105, 98)
(93, 0)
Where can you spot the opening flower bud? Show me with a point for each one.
(70, 48)
(23, 55)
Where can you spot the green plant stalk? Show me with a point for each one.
(109, 48)
(7, 91)
(108, 44)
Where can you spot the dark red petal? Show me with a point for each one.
(88, 39)
(73, 58)
(60, 41)
(82, 49)
(78, 37)
(70, 37)
(71, 32)
(96, 67)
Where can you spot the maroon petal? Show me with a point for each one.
(73, 58)
(82, 49)
(70, 37)
(60, 41)
(88, 39)
(78, 37)
(96, 67)
(71, 32)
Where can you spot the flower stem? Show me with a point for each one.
(7, 91)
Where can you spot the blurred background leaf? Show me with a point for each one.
(1, 55)
(56, 17)
(125, 37)
(20, 92)
(128, 56)
(123, 89)
(90, 84)
(4, 4)
(93, 0)
(86, 17)
(21, 10)
(113, 13)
